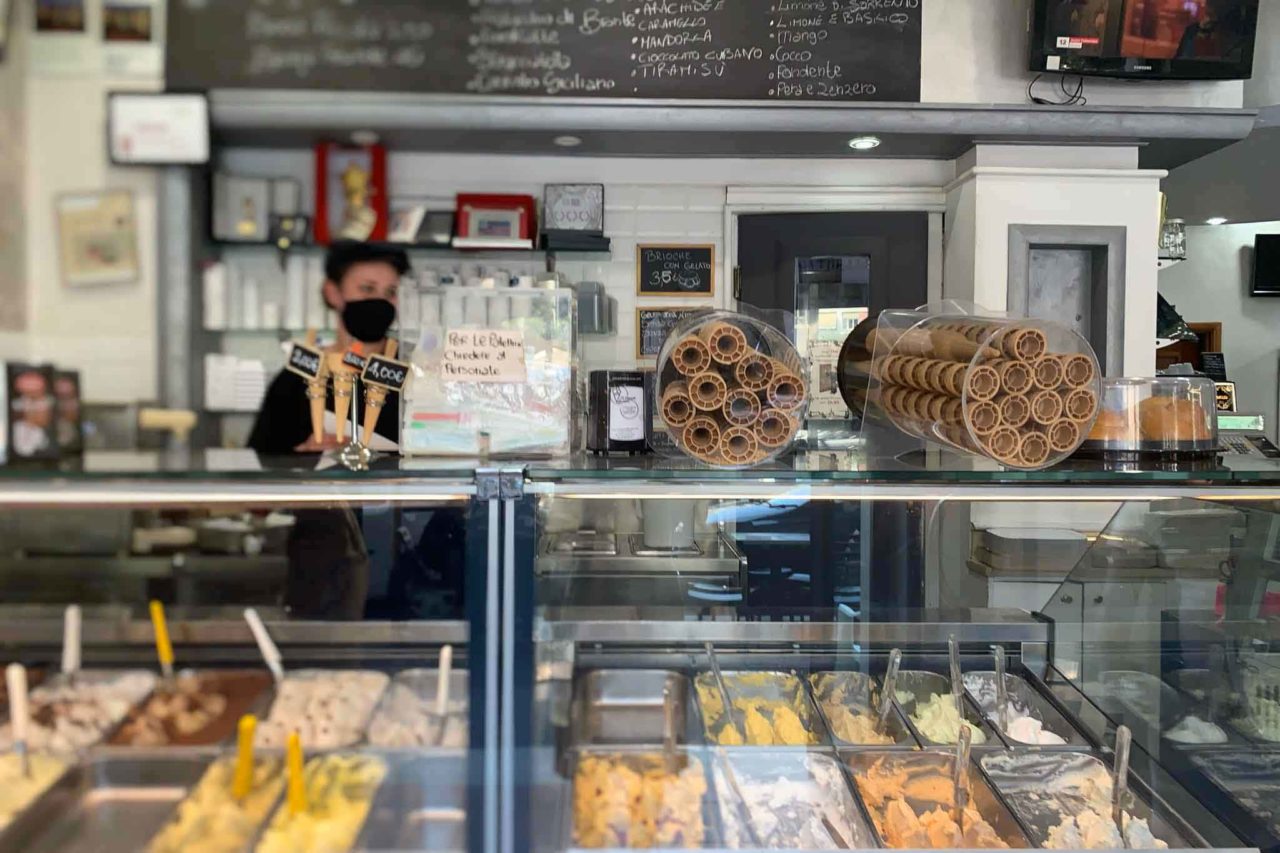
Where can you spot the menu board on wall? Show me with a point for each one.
(789, 50)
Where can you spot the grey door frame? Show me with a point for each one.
(1109, 239)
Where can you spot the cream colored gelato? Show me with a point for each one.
(406, 718)
(340, 791)
(328, 708)
(939, 720)
(787, 807)
(18, 791)
(1030, 730)
(859, 728)
(211, 820)
(1192, 729)
(1093, 830)
(68, 716)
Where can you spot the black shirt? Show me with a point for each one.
(284, 421)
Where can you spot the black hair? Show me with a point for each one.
(344, 254)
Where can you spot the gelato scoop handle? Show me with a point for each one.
(15, 676)
(724, 692)
(888, 688)
(960, 774)
(1120, 780)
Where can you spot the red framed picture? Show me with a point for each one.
(495, 221)
(351, 193)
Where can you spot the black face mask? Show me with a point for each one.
(368, 319)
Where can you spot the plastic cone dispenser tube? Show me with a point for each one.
(733, 391)
(994, 386)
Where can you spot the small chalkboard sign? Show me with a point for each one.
(353, 359)
(1225, 396)
(305, 361)
(654, 324)
(676, 270)
(386, 373)
(1214, 365)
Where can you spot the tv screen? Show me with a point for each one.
(1266, 265)
(1153, 39)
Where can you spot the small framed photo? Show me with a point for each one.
(97, 238)
(351, 193)
(437, 228)
(405, 223)
(573, 207)
(495, 221)
(241, 209)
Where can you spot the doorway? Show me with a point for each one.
(827, 272)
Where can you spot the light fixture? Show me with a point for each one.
(1216, 220)
(567, 141)
(864, 143)
(365, 137)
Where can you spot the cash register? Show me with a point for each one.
(1245, 435)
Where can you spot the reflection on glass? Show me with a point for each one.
(831, 298)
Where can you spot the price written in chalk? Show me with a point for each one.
(483, 355)
(304, 361)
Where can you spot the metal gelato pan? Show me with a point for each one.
(104, 805)
(842, 697)
(1047, 789)
(629, 707)
(907, 794)
(1025, 703)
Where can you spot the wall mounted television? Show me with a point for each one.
(1145, 39)
(1266, 265)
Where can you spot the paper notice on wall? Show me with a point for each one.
(484, 355)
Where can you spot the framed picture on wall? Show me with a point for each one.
(97, 238)
(351, 193)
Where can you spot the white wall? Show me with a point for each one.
(1264, 89)
(975, 51)
(1000, 196)
(645, 201)
(108, 333)
(1212, 285)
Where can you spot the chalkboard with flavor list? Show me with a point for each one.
(788, 50)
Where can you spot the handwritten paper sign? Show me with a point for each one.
(484, 355)
(304, 361)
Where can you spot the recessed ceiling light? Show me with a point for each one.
(1216, 220)
(864, 143)
(365, 137)
(567, 141)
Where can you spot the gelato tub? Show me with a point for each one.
(340, 791)
(848, 703)
(640, 800)
(73, 714)
(197, 709)
(927, 701)
(406, 717)
(1032, 720)
(624, 707)
(421, 805)
(910, 797)
(330, 709)
(771, 709)
(786, 800)
(212, 820)
(1064, 800)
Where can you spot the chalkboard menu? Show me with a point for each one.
(675, 270)
(654, 324)
(810, 50)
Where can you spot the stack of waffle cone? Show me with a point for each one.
(991, 388)
(732, 405)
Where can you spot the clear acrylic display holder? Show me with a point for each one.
(534, 417)
(730, 391)
(1022, 392)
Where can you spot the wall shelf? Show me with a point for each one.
(1166, 136)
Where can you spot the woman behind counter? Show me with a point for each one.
(362, 285)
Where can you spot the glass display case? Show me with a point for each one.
(699, 658)
(373, 591)
(645, 653)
